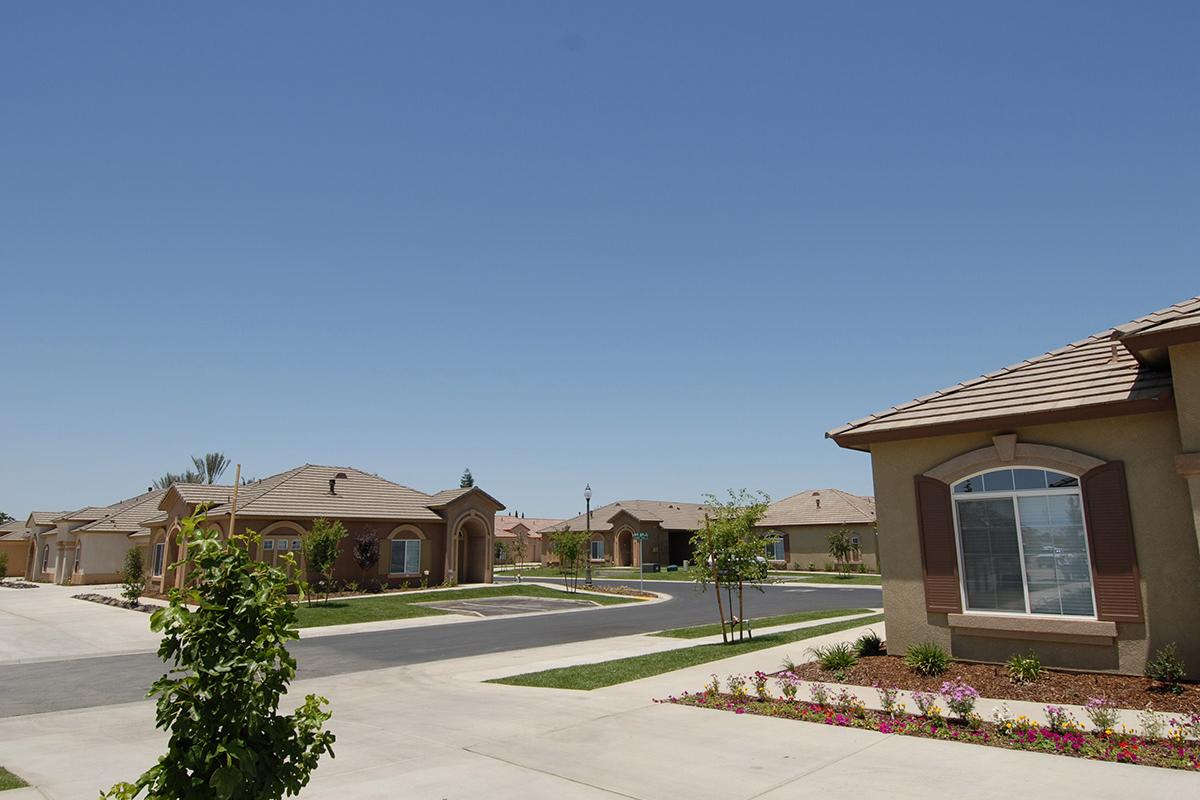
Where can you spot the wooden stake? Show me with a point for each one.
(237, 481)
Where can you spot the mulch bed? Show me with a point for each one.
(105, 600)
(624, 591)
(1126, 691)
(17, 584)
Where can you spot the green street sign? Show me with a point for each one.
(641, 536)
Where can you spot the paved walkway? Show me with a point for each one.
(433, 730)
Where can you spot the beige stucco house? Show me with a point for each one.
(1053, 505)
(14, 542)
(87, 545)
(447, 536)
(511, 528)
(803, 523)
(669, 527)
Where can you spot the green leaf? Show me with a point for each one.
(226, 781)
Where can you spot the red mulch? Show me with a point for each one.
(1126, 691)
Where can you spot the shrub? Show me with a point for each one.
(1167, 668)
(366, 552)
(3, 566)
(1024, 668)
(1103, 713)
(321, 547)
(225, 638)
(869, 644)
(928, 659)
(836, 658)
(960, 697)
(133, 576)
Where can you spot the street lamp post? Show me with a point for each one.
(587, 497)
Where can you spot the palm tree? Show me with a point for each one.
(210, 468)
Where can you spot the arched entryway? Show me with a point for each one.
(472, 551)
(624, 554)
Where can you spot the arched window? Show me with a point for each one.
(1022, 543)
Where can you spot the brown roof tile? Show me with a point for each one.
(669, 514)
(820, 507)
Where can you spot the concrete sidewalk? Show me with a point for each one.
(434, 731)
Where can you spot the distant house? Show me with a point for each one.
(1052, 505)
(87, 545)
(509, 528)
(805, 521)
(14, 541)
(430, 538)
(669, 527)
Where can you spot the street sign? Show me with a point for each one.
(641, 536)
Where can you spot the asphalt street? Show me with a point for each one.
(84, 683)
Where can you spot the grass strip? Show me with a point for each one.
(836, 580)
(700, 631)
(10, 781)
(621, 670)
(403, 605)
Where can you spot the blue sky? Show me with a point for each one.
(657, 247)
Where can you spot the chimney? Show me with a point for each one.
(818, 502)
(332, 483)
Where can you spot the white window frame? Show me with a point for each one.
(593, 546)
(268, 544)
(778, 551)
(45, 557)
(78, 557)
(1013, 494)
(158, 558)
(420, 555)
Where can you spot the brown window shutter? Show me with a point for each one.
(939, 553)
(1110, 539)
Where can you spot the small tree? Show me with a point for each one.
(843, 549)
(366, 552)
(133, 577)
(467, 480)
(322, 545)
(729, 554)
(3, 566)
(571, 548)
(225, 638)
(518, 549)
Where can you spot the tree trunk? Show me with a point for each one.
(720, 608)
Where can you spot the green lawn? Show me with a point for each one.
(824, 577)
(10, 781)
(403, 605)
(628, 573)
(621, 670)
(700, 631)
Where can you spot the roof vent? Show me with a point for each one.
(818, 502)
(341, 475)
(332, 483)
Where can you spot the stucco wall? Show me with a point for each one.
(18, 555)
(809, 544)
(103, 557)
(1163, 529)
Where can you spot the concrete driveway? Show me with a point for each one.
(47, 624)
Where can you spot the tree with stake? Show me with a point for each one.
(322, 545)
(133, 577)
(571, 548)
(728, 551)
(842, 548)
(225, 637)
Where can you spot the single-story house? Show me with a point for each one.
(511, 528)
(1052, 505)
(87, 545)
(14, 542)
(669, 526)
(804, 522)
(433, 538)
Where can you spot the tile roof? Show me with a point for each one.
(128, 517)
(45, 518)
(669, 514)
(304, 492)
(1096, 376)
(506, 522)
(13, 531)
(820, 507)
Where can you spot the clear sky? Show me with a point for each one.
(658, 247)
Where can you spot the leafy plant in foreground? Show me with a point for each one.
(869, 644)
(229, 666)
(1024, 668)
(1167, 668)
(837, 658)
(928, 659)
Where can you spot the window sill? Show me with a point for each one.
(1078, 631)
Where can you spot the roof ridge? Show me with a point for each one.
(284, 477)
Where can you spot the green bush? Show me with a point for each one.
(133, 576)
(3, 566)
(836, 658)
(322, 545)
(1167, 668)
(869, 644)
(1024, 668)
(225, 639)
(927, 658)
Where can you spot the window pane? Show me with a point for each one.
(1029, 478)
(991, 557)
(969, 485)
(1056, 480)
(396, 564)
(268, 544)
(1056, 562)
(295, 544)
(1000, 480)
(412, 558)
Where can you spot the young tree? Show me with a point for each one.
(3, 566)
(518, 548)
(225, 638)
(571, 547)
(467, 480)
(133, 576)
(366, 553)
(729, 554)
(842, 548)
(322, 545)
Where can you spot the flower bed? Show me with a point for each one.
(115, 602)
(1065, 736)
(1126, 691)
